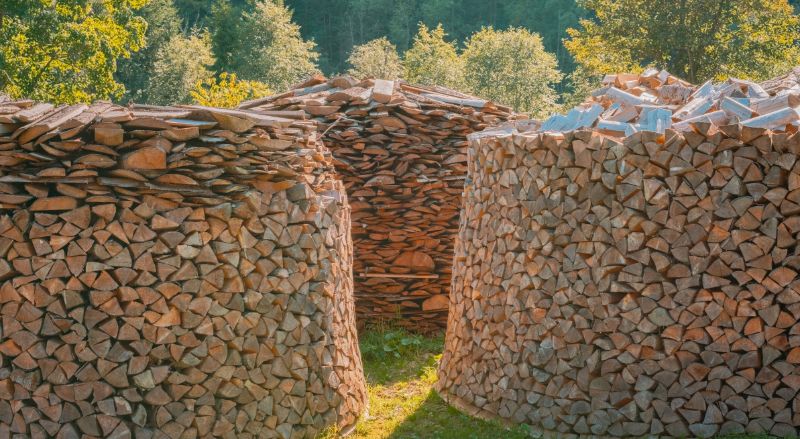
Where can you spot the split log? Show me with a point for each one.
(400, 150)
(637, 286)
(656, 101)
(172, 272)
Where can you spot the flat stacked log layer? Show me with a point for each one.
(629, 287)
(172, 273)
(400, 151)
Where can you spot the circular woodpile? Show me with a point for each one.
(172, 273)
(646, 286)
(401, 152)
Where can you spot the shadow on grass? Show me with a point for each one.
(400, 368)
(435, 419)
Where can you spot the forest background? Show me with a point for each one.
(537, 55)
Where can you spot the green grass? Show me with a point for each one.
(401, 371)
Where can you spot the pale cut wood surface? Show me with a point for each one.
(172, 273)
(629, 287)
(656, 101)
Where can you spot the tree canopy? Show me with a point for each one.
(375, 59)
(339, 25)
(180, 65)
(262, 43)
(66, 51)
(432, 60)
(227, 91)
(694, 39)
(83, 50)
(163, 23)
(513, 68)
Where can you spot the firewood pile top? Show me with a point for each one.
(790, 82)
(172, 272)
(656, 101)
(401, 152)
(629, 287)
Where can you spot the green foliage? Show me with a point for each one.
(580, 85)
(375, 59)
(82, 50)
(227, 91)
(195, 13)
(402, 403)
(379, 344)
(347, 23)
(512, 67)
(66, 51)
(550, 19)
(179, 66)
(694, 39)
(432, 60)
(262, 43)
(163, 23)
(225, 24)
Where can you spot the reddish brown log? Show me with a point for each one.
(201, 289)
(401, 151)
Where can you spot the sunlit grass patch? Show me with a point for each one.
(401, 371)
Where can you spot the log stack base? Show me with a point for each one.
(646, 286)
(172, 273)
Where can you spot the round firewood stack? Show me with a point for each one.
(172, 272)
(629, 287)
(401, 152)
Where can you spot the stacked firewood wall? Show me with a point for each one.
(400, 151)
(630, 287)
(172, 272)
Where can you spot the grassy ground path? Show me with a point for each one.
(401, 371)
